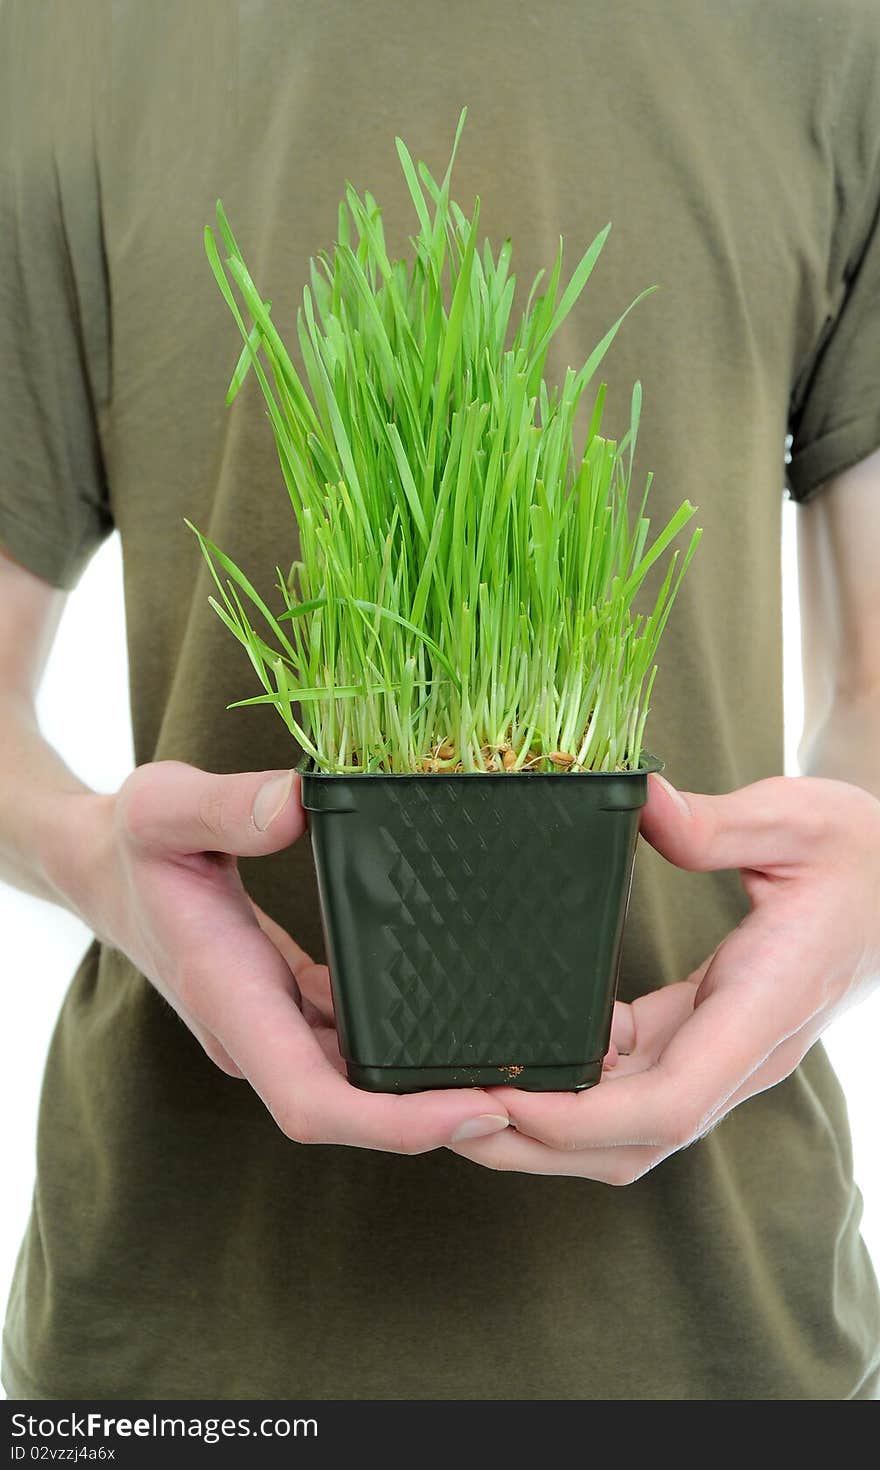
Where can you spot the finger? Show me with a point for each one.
(295, 955)
(168, 808)
(611, 1057)
(511, 1151)
(254, 1012)
(771, 824)
(642, 1028)
(328, 1040)
(653, 1021)
(623, 1030)
(779, 1065)
(213, 1048)
(313, 980)
(728, 1036)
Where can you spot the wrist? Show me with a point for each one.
(76, 842)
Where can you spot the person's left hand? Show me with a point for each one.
(808, 851)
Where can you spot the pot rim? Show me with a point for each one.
(649, 764)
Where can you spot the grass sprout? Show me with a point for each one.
(465, 593)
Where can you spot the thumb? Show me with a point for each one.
(770, 824)
(170, 807)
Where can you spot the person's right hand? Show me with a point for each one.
(167, 892)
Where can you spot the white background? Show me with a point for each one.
(83, 710)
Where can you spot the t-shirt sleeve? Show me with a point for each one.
(835, 412)
(54, 303)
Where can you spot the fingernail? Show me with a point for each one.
(676, 795)
(271, 800)
(479, 1127)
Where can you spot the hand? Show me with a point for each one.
(683, 1056)
(166, 890)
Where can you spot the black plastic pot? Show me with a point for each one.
(474, 922)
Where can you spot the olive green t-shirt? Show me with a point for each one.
(179, 1245)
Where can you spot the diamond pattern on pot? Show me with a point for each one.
(484, 939)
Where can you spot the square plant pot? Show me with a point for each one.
(474, 921)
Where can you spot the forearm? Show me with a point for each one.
(52, 826)
(845, 746)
